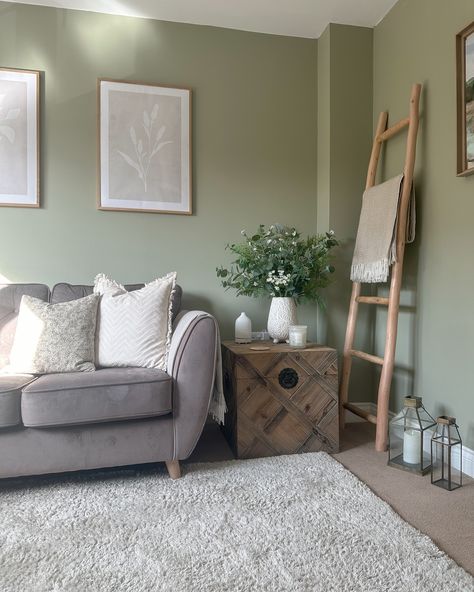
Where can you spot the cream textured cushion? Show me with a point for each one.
(134, 328)
(52, 338)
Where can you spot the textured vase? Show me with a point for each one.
(282, 314)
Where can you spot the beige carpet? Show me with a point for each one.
(291, 523)
(446, 517)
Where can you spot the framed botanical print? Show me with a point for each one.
(465, 100)
(19, 138)
(144, 147)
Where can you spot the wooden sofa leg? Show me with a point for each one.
(174, 469)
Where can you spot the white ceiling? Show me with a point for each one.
(299, 18)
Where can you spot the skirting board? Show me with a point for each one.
(467, 453)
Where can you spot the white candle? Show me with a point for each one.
(411, 447)
(297, 335)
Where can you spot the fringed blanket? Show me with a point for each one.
(376, 242)
(217, 407)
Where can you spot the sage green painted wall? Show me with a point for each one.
(324, 132)
(254, 150)
(415, 42)
(344, 144)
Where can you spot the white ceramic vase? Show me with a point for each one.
(282, 314)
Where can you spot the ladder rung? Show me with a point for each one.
(393, 130)
(368, 357)
(360, 412)
(373, 300)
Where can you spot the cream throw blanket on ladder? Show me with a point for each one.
(376, 242)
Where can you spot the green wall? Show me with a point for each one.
(324, 132)
(344, 144)
(254, 150)
(415, 42)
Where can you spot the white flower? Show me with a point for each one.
(242, 232)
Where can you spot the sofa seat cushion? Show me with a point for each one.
(111, 394)
(10, 398)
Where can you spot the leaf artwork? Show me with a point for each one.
(145, 149)
(7, 131)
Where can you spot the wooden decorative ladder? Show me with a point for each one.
(383, 134)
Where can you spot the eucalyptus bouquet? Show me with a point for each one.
(276, 261)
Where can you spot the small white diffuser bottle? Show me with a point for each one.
(243, 329)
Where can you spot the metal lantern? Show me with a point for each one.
(446, 454)
(409, 437)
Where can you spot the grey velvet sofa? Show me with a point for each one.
(107, 418)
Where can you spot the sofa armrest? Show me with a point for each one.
(192, 365)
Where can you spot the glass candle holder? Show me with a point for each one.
(410, 433)
(297, 335)
(446, 454)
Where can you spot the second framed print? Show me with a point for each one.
(144, 148)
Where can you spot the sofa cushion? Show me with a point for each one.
(10, 398)
(134, 328)
(10, 299)
(66, 292)
(111, 394)
(53, 338)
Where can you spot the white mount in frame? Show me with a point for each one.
(19, 138)
(144, 148)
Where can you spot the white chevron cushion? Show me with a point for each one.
(134, 328)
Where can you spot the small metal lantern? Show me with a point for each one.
(409, 437)
(446, 449)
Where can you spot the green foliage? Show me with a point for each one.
(276, 261)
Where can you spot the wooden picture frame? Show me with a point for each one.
(19, 138)
(465, 100)
(144, 156)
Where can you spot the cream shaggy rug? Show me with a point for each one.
(291, 523)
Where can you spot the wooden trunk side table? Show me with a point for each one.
(280, 401)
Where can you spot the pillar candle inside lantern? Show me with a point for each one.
(411, 447)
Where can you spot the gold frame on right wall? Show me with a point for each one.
(465, 108)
